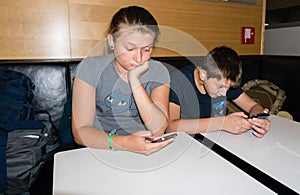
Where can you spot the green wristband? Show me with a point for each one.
(110, 137)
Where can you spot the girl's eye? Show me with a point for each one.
(148, 49)
(129, 49)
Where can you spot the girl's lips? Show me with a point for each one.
(135, 65)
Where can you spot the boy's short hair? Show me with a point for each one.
(223, 62)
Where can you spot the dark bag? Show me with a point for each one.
(29, 145)
(27, 138)
(3, 177)
(265, 93)
(16, 95)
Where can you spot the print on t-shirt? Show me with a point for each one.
(117, 104)
(218, 107)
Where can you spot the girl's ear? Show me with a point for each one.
(110, 40)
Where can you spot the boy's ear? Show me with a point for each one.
(110, 40)
(202, 74)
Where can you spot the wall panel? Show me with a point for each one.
(34, 29)
(41, 29)
(211, 23)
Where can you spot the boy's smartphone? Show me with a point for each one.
(260, 115)
(164, 137)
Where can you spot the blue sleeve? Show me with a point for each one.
(234, 93)
(173, 97)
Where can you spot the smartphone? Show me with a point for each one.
(260, 115)
(164, 137)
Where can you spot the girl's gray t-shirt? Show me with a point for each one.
(115, 105)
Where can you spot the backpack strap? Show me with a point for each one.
(253, 83)
(49, 118)
(279, 101)
(52, 130)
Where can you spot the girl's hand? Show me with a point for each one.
(137, 143)
(137, 72)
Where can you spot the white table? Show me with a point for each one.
(277, 154)
(183, 167)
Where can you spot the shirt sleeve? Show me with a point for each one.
(234, 93)
(173, 97)
(91, 68)
(176, 88)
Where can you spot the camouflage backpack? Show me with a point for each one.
(264, 92)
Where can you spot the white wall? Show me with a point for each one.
(282, 41)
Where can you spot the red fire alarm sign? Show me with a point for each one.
(248, 35)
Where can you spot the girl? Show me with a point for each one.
(121, 98)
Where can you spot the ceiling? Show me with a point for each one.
(283, 13)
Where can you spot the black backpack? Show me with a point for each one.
(28, 138)
(16, 95)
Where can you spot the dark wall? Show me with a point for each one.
(283, 71)
(252, 66)
(50, 83)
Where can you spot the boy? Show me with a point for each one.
(198, 97)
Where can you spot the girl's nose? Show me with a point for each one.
(138, 55)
